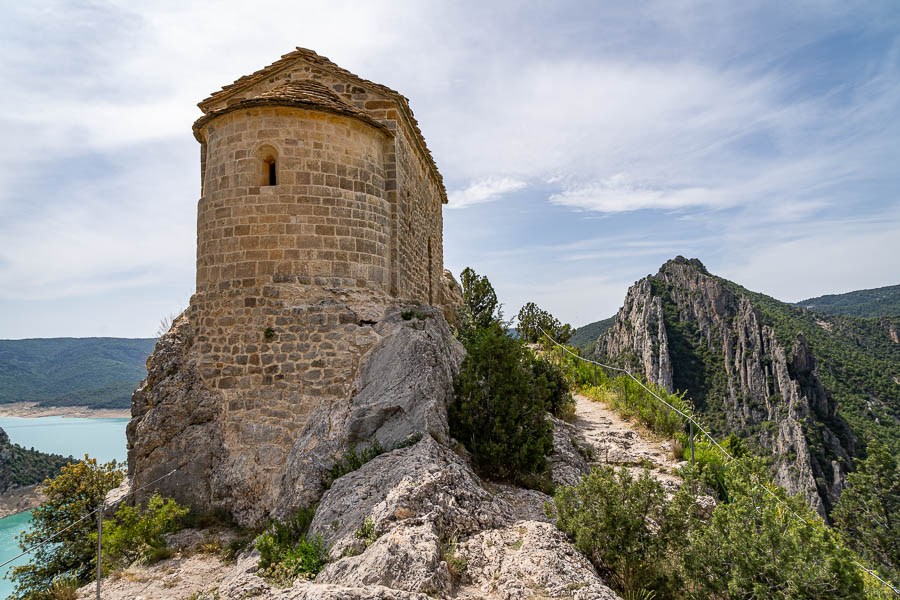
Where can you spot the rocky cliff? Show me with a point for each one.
(437, 528)
(686, 329)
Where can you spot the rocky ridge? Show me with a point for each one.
(429, 513)
(438, 531)
(685, 329)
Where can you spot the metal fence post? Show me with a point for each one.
(595, 375)
(99, 548)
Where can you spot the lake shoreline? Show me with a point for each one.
(20, 499)
(30, 410)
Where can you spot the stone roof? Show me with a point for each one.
(302, 94)
(311, 57)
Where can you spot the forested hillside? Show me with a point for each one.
(877, 302)
(96, 372)
(806, 389)
(859, 361)
(20, 466)
(586, 336)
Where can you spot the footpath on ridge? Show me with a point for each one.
(621, 443)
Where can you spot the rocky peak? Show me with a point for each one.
(685, 329)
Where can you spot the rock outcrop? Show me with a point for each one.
(401, 387)
(403, 525)
(686, 329)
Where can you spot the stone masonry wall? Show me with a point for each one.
(326, 221)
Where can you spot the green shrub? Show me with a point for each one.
(553, 380)
(869, 511)
(754, 547)
(626, 527)
(287, 551)
(78, 490)
(134, 534)
(499, 407)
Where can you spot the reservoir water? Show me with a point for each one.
(103, 439)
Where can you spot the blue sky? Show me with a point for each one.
(582, 143)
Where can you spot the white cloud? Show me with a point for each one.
(620, 193)
(809, 262)
(483, 190)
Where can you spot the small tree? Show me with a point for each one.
(78, 490)
(499, 408)
(532, 320)
(479, 298)
(869, 510)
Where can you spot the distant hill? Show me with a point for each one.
(586, 335)
(20, 466)
(877, 302)
(96, 372)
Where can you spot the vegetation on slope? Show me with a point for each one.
(78, 490)
(877, 302)
(750, 547)
(859, 362)
(97, 372)
(503, 392)
(20, 466)
(587, 335)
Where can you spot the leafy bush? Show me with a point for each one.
(869, 511)
(499, 407)
(134, 534)
(626, 527)
(287, 551)
(552, 379)
(753, 547)
(78, 490)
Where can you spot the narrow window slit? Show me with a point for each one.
(272, 171)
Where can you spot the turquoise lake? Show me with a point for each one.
(103, 439)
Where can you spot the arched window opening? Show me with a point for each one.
(271, 172)
(267, 165)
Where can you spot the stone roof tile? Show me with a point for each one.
(302, 94)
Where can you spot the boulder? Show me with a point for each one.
(529, 559)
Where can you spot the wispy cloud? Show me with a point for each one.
(620, 193)
(483, 190)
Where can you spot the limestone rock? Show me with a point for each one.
(402, 389)
(529, 559)
(174, 424)
(451, 296)
(426, 483)
(566, 461)
(405, 558)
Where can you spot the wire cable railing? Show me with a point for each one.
(689, 418)
(74, 523)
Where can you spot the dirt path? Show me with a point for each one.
(619, 442)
